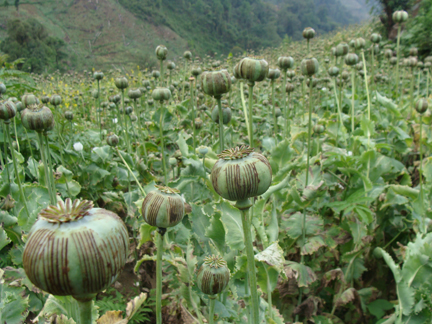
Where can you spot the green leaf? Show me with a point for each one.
(231, 220)
(216, 232)
(145, 233)
(273, 257)
(303, 274)
(101, 155)
(4, 239)
(184, 149)
(294, 224)
(379, 307)
(364, 213)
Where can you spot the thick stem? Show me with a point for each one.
(411, 94)
(6, 165)
(284, 101)
(47, 181)
(124, 123)
(130, 171)
(420, 174)
(221, 136)
(212, 300)
(244, 108)
(398, 58)
(254, 302)
(269, 295)
(16, 170)
(193, 115)
(161, 74)
(251, 86)
(352, 98)
(85, 311)
(50, 167)
(16, 136)
(274, 109)
(159, 252)
(163, 144)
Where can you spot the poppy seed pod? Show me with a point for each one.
(226, 113)
(155, 74)
(319, 129)
(360, 43)
(342, 49)
(413, 51)
(345, 75)
(400, 16)
(273, 74)
(146, 83)
(421, 105)
(290, 74)
(161, 94)
(75, 249)
(128, 110)
(121, 83)
(19, 106)
(240, 173)
(196, 71)
(171, 65)
(289, 88)
(29, 100)
(309, 66)
(98, 75)
(308, 33)
(37, 118)
(134, 93)
(2, 88)
(352, 43)
(333, 51)
(45, 99)
(187, 55)
(161, 52)
(375, 38)
(56, 100)
(7, 111)
(388, 53)
(333, 71)
(163, 207)
(112, 140)
(351, 59)
(216, 83)
(69, 115)
(412, 62)
(213, 275)
(95, 93)
(285, 62)
(393, 60)
(252, 70)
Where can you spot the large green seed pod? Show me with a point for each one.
(56, 100)
(163, 207)
(29, 100)
(95, 93)
(393, 60)
(2, 88)
(7, 111)
(187, 55)
(285, 62)
(289, 88)
(75, 249)
(19, 106)
(37, 118)
(412, 62)
(388, 53)
(400, 16)
(134, 93)
(333, 71)
(171, 65)
(45, 99)
(342, 49)
(413, 51)
(226, 113)
(121, 83)
(291, 74)
(375, 38)
(273, 74)
(112, 140)
(309, 66)
(253, 70)
(308, 33)
(196, 71)
(156, 74)
(69, 115)
(213, 275)
(351, 59)
(421, 105)
(161, 94)
(360, 43)
(161, 52)
(241, 173)
(216, 83)
(98, 75)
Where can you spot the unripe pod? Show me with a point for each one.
(29, 100)
(95, 93)
(161, 94)
(333, 71)
(290, 74)
(428, 59)
(98, 75)
(19, 106)
(393, 61)
(314, 82)
(388, 53)
(75, 249)
(134, 93)
(161, 52)
(412, 62)
(342, 49)
(112, 106)
(273, 74)
(289, 87)
(426, 65)
(198, 123)
(128, 110)
(226, 113)
(253, 70)
(196, 71)
(121, 83)
(55, 100)
(146, 83)
(69, 115)
(308, 33)
(285, 62)
(155, 74)
(37, 118)
(216, 83)
(360, 43)
(421, 105)
(400, 16)
(150, 102)
(187, 55)
(351, 59)
(375, 38)
(213, 275)
(359, 65)
(240, 174)
(45, 99)
(333, 51)
(171, 65)
(413, 51)
(345, 75)
(7, 111)
(319, 129)
(126, 100)
(112, 140)
(376, 49)
(163, 207)
(352, 43)
(2, 88)
(278, 112)
(309, 66)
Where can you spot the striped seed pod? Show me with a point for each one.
(161, 52)
(55, 100)
(7, 111)
(161, 94)
(216, 83)
(273, 74)
(226, 113)
(309, 66)
(421, 105)
(252, 70)
(75, 249)
(375, 38)
(163, 207)
(342, 49)
(241, 173)
(98, 75)
(134, 93)
(121, 83)
(29, 100)
(213, 276)
(360, 43)
(37, 118)
(285, 62)
(187, 55)
(351, 59)
(308, 33)
(400, 16)
(333, 71)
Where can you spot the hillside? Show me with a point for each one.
(108, 33)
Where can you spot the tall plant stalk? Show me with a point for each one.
(159, 252)
(163, 143)
(47, 177)
(398, 57)
(251, 88)
(221, 136)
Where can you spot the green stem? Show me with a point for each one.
(161, 74)
(244, 108)
(398, 58)
(254, 302)
(50, 167)
(23, 198)
(269, 294)
(251, 87)
(212, 300)
(124, 123)
(420, 173)
(130, 171)
(284, 101)
(411, 94)
(42, 151)
(16, 136)
(159, 252)
(193, 115)
(352, 98)
(163, 144)
(85, 311)
(274, 109)
(221, 137)
(5, 150)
